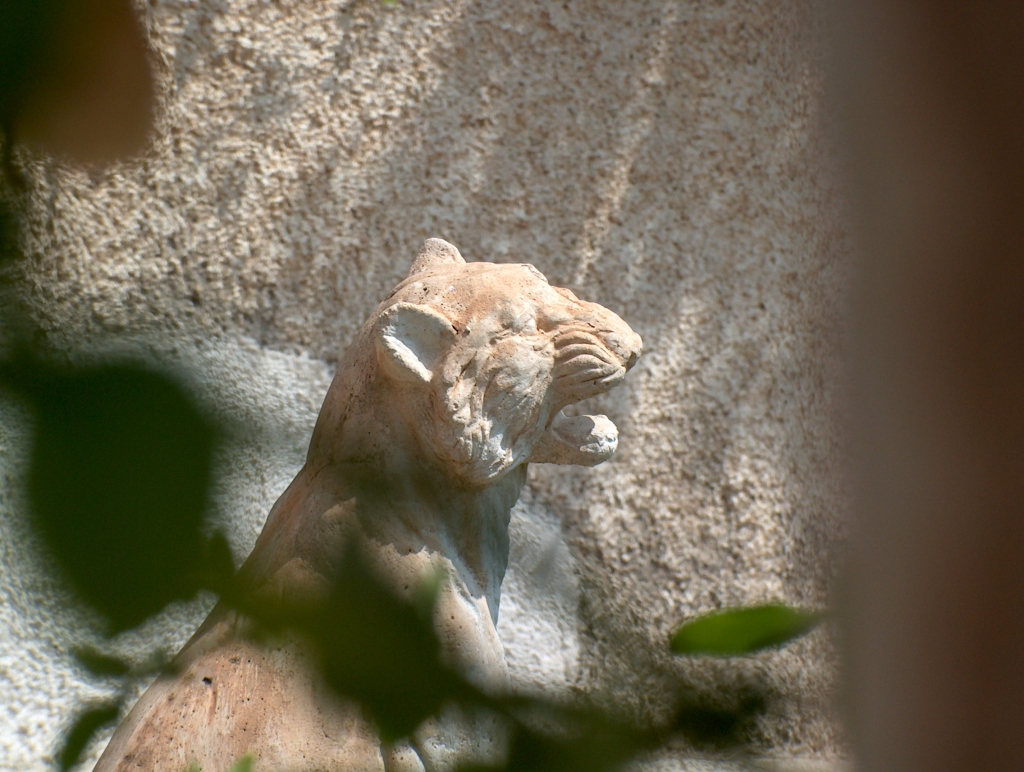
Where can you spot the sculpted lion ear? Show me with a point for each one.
(433, 253)
(411, 341)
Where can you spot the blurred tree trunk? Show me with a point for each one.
(935, 626)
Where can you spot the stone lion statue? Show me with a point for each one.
(455, 383)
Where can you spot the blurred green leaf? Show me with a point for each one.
(382, 651)
(740, 631)
(244, 764)
(118, 482)
(8, 237)
(553, 738)
(719, 722)
(425, 595)
(85, 726)
(597, 744)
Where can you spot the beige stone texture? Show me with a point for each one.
(668, 160)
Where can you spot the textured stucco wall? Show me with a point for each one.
(666, 159)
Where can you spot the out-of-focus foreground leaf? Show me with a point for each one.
(554, 738)
(587, 740)
(720, 723)
(734, 632)
(244, 764)
(25, 26)
(382, 651)
(75, 77)
(85, 726)
(118, 482)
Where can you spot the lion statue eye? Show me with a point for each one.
(524, 324)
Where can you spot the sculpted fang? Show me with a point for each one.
(453, 385)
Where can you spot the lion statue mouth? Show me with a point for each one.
(585, 440)
(585, 366)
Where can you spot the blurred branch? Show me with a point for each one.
(82, 730)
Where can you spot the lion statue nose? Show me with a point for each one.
(627, 346)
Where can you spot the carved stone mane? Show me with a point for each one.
(455, 382)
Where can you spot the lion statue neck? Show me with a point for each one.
(374, 467)
(367, 467)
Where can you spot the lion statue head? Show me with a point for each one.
(473, 363)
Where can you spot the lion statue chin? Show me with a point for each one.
(453, 385)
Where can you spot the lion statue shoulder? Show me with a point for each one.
(454, 384)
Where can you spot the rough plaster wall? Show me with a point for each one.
(666, 159)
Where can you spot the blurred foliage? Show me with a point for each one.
(26, 29)
(734, 632)
(117, 482)
(244, 764)
(117, 485)
(8, 236)
(381, 650)
(83, 729)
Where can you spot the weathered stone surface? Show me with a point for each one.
(664, 159)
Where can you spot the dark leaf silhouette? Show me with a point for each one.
(590, 742)
(25, 26)
(8, 227)
(553, 738)
(742, 631)
(383, 652)
(118, 482)
(85, 726)
(721, 723)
